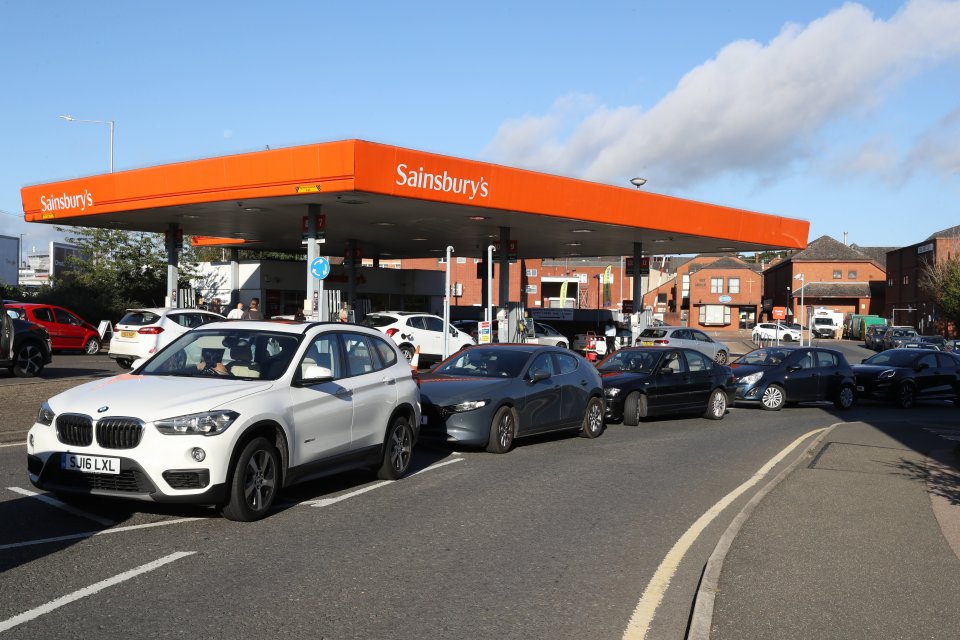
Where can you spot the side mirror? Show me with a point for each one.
(539, 375)
(314, 374)
(864, 361)
(793, 367)
(665, 371)
(922, 366)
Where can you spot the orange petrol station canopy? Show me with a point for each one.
(400, 203)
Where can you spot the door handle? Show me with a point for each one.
(344, 393)
(388, 381)
(583, 383)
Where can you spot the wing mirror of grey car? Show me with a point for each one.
(314, 375)
(539, 375)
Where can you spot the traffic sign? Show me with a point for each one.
(320, 268)
(779, 313)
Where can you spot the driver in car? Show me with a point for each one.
(212, 364)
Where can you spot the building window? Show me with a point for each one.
(714, 314)
(890, 282)
(531, 273)
(716, 285)
(733, 285)
(685, 290)
(851, 275)
(906, 279)
(837, 274)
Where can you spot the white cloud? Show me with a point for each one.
(752, 108)
(939, 148)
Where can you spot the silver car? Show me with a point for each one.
(684, 337)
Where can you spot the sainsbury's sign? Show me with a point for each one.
(420, 179)
(65, 201)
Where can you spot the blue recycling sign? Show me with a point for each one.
(320, 268)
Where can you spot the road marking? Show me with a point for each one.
(90, 534)
(326, 502)
(15, 444)
(652, 596)
(53, 502)
(27, 616)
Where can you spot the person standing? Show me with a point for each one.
(254, 313)
(344, 312)
(610, 333)
(236, 314)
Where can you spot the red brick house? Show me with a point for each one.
(906, 303)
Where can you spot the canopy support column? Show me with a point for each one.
(173, 255)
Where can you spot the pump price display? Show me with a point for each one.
(483, 333)
(90, 464)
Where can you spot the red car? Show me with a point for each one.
(67, 330)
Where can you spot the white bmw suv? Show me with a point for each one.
(230, 413)
(411, 330)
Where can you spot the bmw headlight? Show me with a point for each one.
(611, 392)
(889, 373)
(753, 378)
(45, 415)
(469, 405)
(209, 423)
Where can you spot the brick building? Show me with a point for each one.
(834, 276)
(906, 303)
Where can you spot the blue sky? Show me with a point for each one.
(843, 114)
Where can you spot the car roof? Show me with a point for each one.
(286, 326)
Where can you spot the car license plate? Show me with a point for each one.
(127, 334)
(646, 343)
(90, 464)
(859, 387)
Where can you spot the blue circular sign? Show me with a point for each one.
(725, 299)
(320, 268)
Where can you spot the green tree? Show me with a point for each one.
(940, 280)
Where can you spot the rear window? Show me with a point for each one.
(375, 321)
(653, 333)
(140, 318)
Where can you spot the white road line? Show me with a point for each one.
(326, 502)
(15, 444)
(53, 502)
(89, 591)
(652, 596)
(90, 534)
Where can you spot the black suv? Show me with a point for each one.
(24, 346)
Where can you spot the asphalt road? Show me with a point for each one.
(557, 539)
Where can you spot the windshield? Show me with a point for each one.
(633, 361)
(231, 353)
(823, 321)
(765, 357)
(893, 358)
(653, 333)
(375, 321)
(139, 318)
(486, 363)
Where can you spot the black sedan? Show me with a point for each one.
(908, 375)
(647, 381)
(489, 395)
(775, 376)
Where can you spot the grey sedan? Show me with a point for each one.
(489, 395)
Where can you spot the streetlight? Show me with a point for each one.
(107, 122)
(803, 310)
(638, 182)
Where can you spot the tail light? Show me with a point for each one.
(391, 332)
(661, 342)
(151, 330)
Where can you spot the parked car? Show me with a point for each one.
(775, 376)
(25, 347)
(67, 330)
(640, 382)
(411, 330)
(229, 414)
(684, 337)
(826, 327)
(873, 337)
(937, 343)
(953, 346)
(489, 395)
(593, 344)
(895, 337)
(766, 331)
(143, 332)
(545, 334)
(905, 376)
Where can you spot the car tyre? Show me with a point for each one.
(397, 450)
(254, 483)
(721, 357)
(773, 398)
(28, 361)
(562, 345)
(716, 405)
(845, 397)
(906, 396)
(503, 429)
(125, 363)
(634, 408)
(593, 419)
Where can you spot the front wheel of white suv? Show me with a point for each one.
(397, 450)
(253, 485)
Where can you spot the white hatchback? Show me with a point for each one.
(411, 330)
(143, 332)
(773, 331)
(230, 413)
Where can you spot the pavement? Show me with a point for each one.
(859, 538)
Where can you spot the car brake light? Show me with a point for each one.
(151, 330)
(661, 342)
(390, 332)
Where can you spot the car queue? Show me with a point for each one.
(228, 413)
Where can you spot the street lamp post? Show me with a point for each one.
(110, 123)
(803, 309)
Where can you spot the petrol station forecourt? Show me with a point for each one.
(355, 197)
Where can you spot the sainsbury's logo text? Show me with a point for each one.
(420, 179)
(66, 201)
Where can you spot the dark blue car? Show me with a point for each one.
(489, 395)
(905, 376)
(775, 376)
